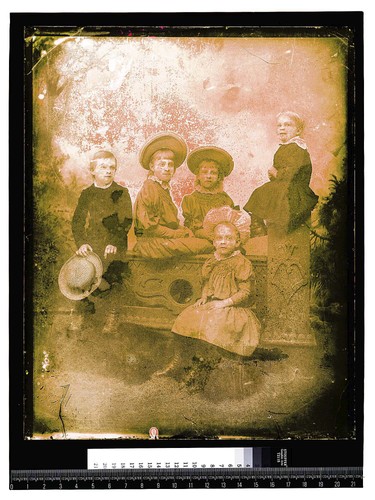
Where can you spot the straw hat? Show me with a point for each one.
(241, 220)
(164, 140)
(208, 153)
(80, 276)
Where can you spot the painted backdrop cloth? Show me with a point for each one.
(103, 217)
(196, 205)
(287, 200)
(156, 221)
(234, 328)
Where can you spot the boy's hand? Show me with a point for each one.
(84, 250)
(109, 249)
(272, 173)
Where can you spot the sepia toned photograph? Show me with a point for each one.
(189, 269)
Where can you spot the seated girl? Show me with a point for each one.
(287, 199)
(210, 165)
(157, 227)
(222, 315)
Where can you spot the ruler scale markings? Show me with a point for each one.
(259, 472)
(317, 471)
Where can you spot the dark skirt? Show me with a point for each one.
(281, 203)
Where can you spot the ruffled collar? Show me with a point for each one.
(164, 185)
(219, 188)
(218, 257)
(295, 140)
(103, 187)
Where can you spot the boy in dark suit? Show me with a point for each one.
(103, 217)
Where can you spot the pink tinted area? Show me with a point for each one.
(113, 93)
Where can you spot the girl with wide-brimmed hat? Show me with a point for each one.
(157, 226)
(210, 165)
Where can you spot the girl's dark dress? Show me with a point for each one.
(195, 207)
(287, 200)
(156, 219)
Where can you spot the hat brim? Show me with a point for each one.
(238, 218)
(73, 294)
(220, 156)
(164, 140)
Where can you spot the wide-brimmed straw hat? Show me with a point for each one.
(220, 156)
(164, 140)
(241, 220)
(80, 276)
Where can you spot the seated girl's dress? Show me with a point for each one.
(287, 200)
(195, 207)
(234, 328)
(156, 219)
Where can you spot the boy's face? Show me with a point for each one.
(286, 128)
(162, 165)
(225, 240)
(104, 172)
(208, 174)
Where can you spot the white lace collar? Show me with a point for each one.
(218, 257)
(295, 140)
(164, 185)
(103, 187)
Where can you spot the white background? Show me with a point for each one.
(43, 6)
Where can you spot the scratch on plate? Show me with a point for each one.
(65, 392)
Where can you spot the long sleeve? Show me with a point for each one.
(127, 211)
(159, 231)
(293, 163)
(244, 277)
(244, 290)
(146, 208)
(228, 200)
(119, 218)
(187, 212)
(103, 217)
(155, 212)
(193, 215)
(204, 290)
(79, 220)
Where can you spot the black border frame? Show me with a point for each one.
(31, 454)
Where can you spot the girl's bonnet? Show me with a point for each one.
(239, 219)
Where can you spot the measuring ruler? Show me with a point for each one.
(181, 478)
(195, 467)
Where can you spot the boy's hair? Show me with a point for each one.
(295, 117)
(102, 155)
